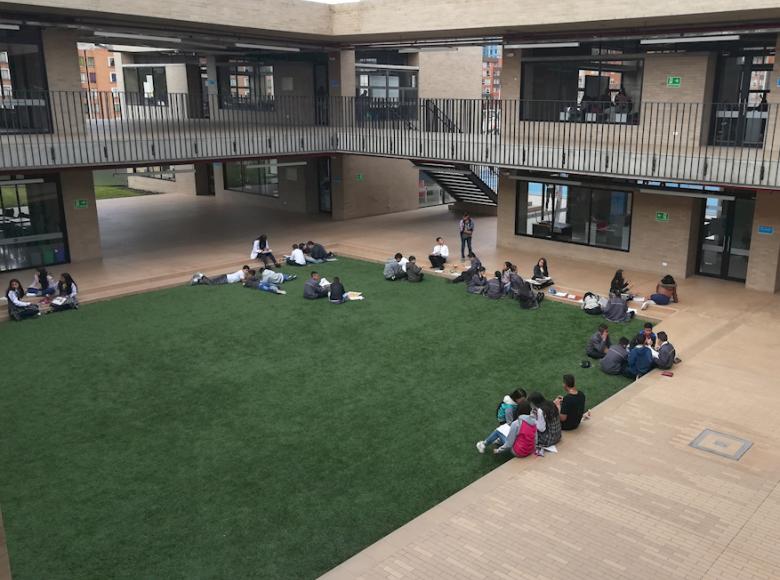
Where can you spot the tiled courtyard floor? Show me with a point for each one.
(626, 497)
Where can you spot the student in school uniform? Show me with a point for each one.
(67, 294)
(615, 359)
(297, 257)
(318, 252)
(394, 269)
(337, 293)
(495, 288)
(261, 250)
(667, 355)
(43, 284)
(231, 278)
(276, 278)
(312, 289)
(19, 309)
(478, 283)
(599, 343)
(439, 255)
(255, 282)
(541, 274)
(413, 272)
(519, 439)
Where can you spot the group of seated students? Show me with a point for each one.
(530, 424)
(308, 253)
(59, 296)
(634, 358)
(506, 282)
(400, 268)
(318, 287)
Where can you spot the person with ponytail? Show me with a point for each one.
(67, 294)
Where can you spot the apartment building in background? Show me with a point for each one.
(100, 70)
(491, 71)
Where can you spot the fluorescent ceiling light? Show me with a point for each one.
(20, 181)
(106, 34)
(544, 45)
(688, 193)
(268, 47)
(9, 26)
(544, 180)
(680, 39)
(427, 49)
(269, 165)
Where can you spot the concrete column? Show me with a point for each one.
(204, 179)
(341, 73)
(764, 262)
(81, 222)
(63, 77)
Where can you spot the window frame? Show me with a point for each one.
(520, 184)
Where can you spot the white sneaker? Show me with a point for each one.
(281, 291)
(646, 304)
(439, 270)
(497, 450)
(481, 446)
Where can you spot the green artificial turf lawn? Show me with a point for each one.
(114, 191)
(220, 432)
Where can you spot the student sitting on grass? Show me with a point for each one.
(252, 281)
(571, 405)
(617, 309)
(18, 309)
(468, 273)
(645, 334)
(599, 343)
(67, 295)
(667, 356)
(336, 293)
(552, 421)
(233, 278)
(542, 274)
(394, 269)
(413, 272)
(296, 258)
(506, 273)
(640, 359)
(42, 285)
(505, 412)
(519, 438)
(313, 289)
(318, 252)
(523, 293)
(616, 358)
(495, 288)
(478, 283)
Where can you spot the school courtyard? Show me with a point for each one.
(627, 496)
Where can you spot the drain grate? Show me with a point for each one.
(721, 444)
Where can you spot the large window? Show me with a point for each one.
(603, 87)
(23, 96)
(260, 177)
(569, 212)
(743, 81)
(246, 85)
(146, 85)
(162, 172)
(32, 227)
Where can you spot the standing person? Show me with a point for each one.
(542, 274)
(67, 294)
(439, 256)
(413, 272)
(572, 404)
(665, 293)
(394, 269)
(599, 343)
(261, 250)
(43, 284)
(616, 358)
(466, 227)
(312, 289)
(18, 309)
(231, 278)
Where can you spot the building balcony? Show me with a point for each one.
(699, 142)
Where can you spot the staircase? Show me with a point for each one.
(460, 182)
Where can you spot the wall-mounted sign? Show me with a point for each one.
(766, 230)
(661, 216)
(81, 204)
(778, 82)
(359, 177)
(674, 82)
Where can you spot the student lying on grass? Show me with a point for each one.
(519, 437)
(232, 278)
(252, 281)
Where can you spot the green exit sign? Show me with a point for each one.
(661, 216)
(81, 204)
(674, 82)
(359, 177)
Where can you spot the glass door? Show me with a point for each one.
(727, 226)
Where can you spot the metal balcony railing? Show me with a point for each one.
(698, 142)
